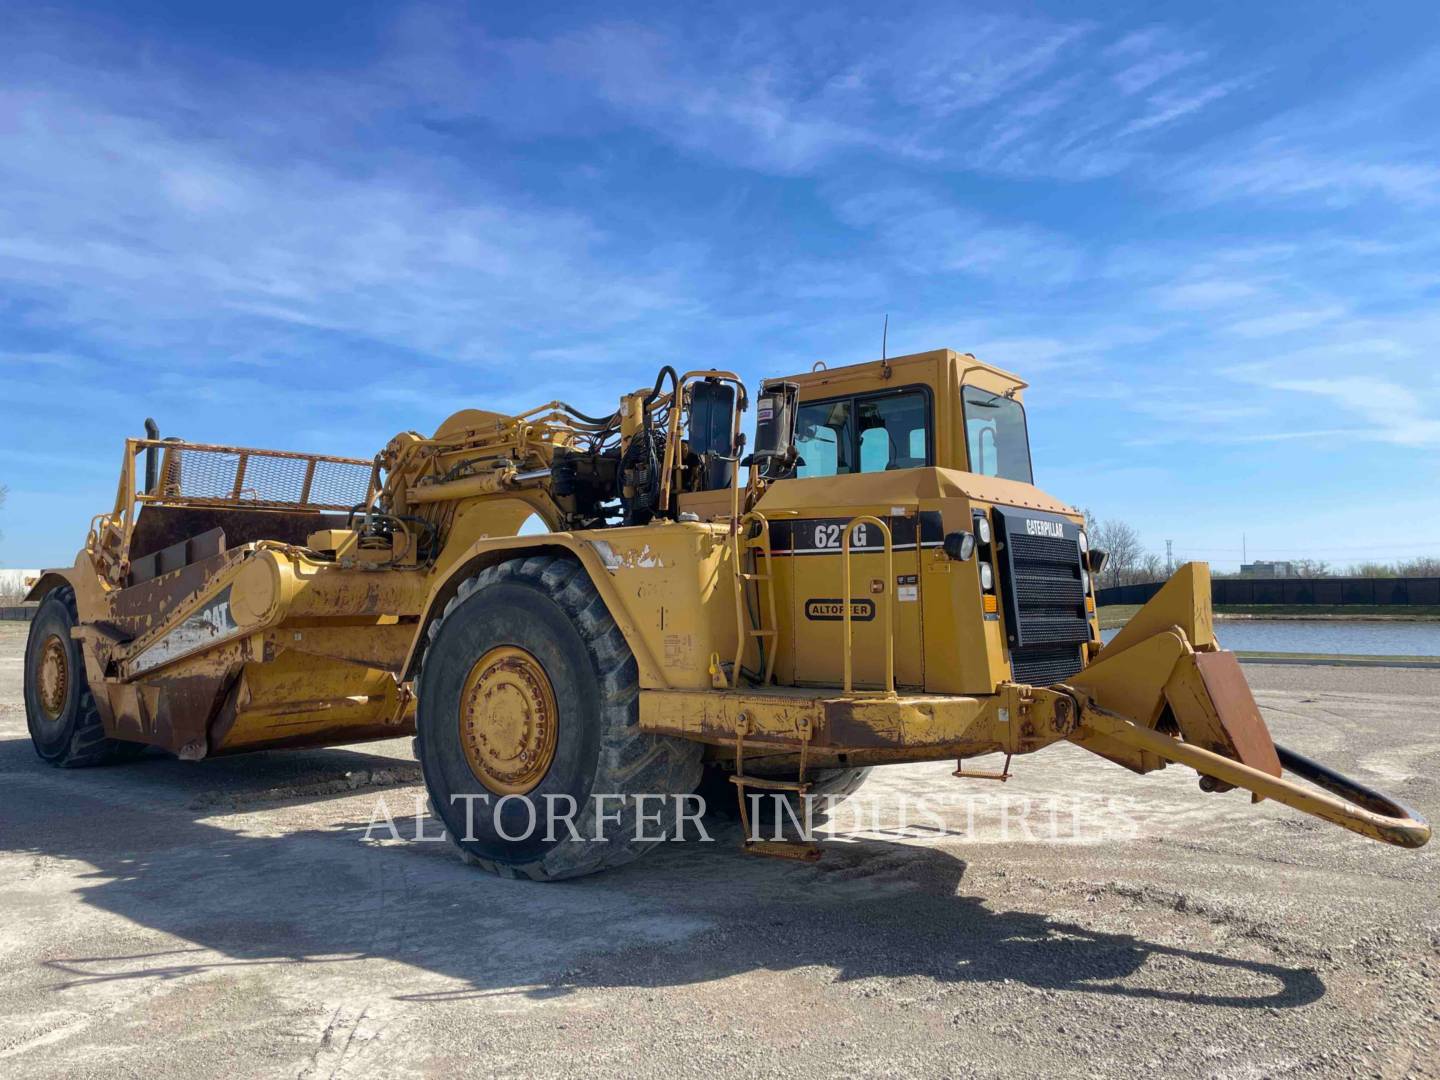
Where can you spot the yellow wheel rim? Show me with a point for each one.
(54, 680)
(508, 721)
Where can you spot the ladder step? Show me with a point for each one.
(761, 633)
(755, 577)
(769, 785)
(783, 849)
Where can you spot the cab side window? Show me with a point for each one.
(823, 436)
(893, 432)
(872, 433)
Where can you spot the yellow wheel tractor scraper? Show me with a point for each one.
(883, 584)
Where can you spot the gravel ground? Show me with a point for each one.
(227, 917)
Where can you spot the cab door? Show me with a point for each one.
(862, 454)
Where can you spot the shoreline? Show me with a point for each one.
(1113, 616)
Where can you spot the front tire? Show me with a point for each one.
(528, 696)
(65, 726)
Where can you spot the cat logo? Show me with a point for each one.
(1053, 529)
(834, 610)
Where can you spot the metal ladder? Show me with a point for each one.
(766, 631)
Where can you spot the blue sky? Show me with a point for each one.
(1205, 233)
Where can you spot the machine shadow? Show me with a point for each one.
(687, 913)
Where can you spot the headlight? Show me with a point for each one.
(1084, 542)
(959, 545)
(1085, 582)
(987, 577)
(982, 528)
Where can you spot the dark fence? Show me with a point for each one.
(1380, 591)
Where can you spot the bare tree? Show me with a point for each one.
(1371, 569)
(1421, 566)
(1124, 554)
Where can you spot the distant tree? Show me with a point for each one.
(1370, 570)
(1421, 566)
(1311, 568)
(1151, 567)
(1124, 554)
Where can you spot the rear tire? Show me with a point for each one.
(65, 726)
(543, 617)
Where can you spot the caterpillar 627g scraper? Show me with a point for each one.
(884, 583)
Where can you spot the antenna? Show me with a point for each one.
(884, 348)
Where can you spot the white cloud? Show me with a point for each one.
(1285, 322)
(1167, 107)
(1391, 412)
(148, 234)
(932, 235)
(1278, 168)
(791, 94)
(1340, 148)
(1205, 293)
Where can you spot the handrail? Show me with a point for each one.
(888, 592)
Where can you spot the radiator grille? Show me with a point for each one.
(1044, 597)
(1041, 665)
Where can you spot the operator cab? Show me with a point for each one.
(935, 409)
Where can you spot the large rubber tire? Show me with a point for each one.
(75, 736)
(547, 606)
(836, 784)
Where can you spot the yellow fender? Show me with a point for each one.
(489, 551)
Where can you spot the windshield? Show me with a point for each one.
(995, 433)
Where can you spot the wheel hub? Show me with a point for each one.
(54, 677)
(508, 721)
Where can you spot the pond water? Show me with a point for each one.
(1313, 636)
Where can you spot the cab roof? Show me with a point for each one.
(937, 367)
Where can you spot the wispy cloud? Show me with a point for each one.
(1391, 412)
(1278, 169)
(107, 216)
(1204, 293)
(956, 88)
(1286, 322)
(1335, 150)
(933, 235)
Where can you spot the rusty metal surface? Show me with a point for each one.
(142, 607)
(1239, 715)
(182, 553)
(158, 526)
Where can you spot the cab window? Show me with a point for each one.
(866, 433)
(823, 436)
(996, 436)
